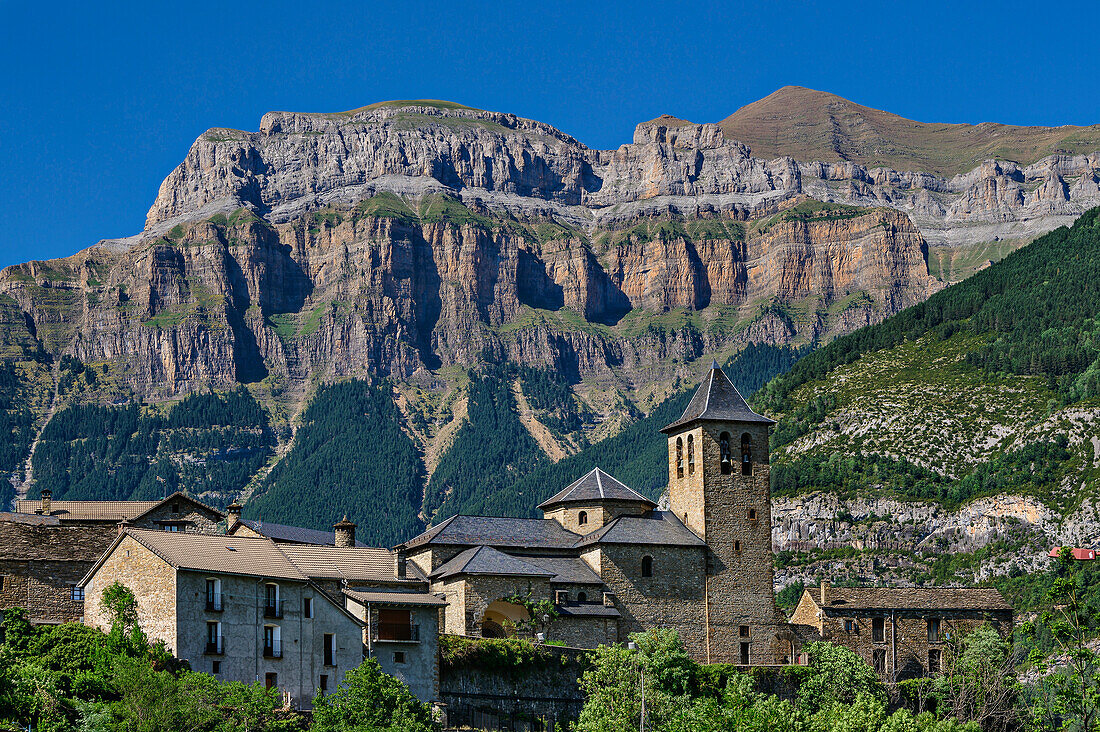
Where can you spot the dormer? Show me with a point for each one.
(592, 501)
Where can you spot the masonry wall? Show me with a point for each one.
(414, 662)
(40, 565)
(482, 591)
(195, 518)
(150, 578)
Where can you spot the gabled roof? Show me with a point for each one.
(1077, 552)
(356, 564)
(486, 560)
(519, 533)
(717, 399)
(113, 511)
(910, 598)
(292, 534)
(656, 527)
(593, 487)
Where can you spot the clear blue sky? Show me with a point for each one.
(100, 100)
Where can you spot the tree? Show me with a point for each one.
(978, 681)
(369, 700)
(841, 676)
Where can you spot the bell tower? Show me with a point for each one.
(718, 484)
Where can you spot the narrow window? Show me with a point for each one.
(647, 566)
(744, 654)
(724, 458)
(307, 606)
(849, 625)
(2, 582)
(214, 595)
(273, 647)
(582, 518)
(271, 680)
(933, 630)
(176, 509)
(324, 683)
(743, 631)
(752, 514)
(746, 454)
(399, 657)
(215, 667)
(78, 593)
(737, 546)
(878, 630)
(582, 597)
(273, 607)
(878, 660)
(691, 455)
(330, 649)
(933, 660)
(679, 457)
(214, 638)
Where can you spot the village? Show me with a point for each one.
(296, 609)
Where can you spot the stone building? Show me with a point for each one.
(283, 534)
(46, 546)
(612, 564)
(901, 631)
(295, 617)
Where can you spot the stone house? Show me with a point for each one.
(903, 632)
(246, 609)
(47, 546)
(612, 563)
(283, 534)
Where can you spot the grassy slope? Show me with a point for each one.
(812, 125)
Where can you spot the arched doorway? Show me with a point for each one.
(501, 616)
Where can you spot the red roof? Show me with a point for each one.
(1077, 553)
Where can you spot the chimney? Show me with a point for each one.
(123, 525)
(344, 532)
(233, 515)
(47, 501)
(400, 564)
(823, 586)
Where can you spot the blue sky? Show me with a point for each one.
(99, 101)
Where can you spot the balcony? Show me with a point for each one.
(215, 603)
(399, 632)
(273, 649)
(273, 610)
(215, 647)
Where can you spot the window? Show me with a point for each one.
(215, 667)
(743, 631)
(746, 454)
(724, 459)
(752, 514)
(323, 686)
(172, 527)
(849, 625)
(399, 657)
(214, 595)
(78, 593)
(679, 457)
(176, 509)
(273, 607)
(744, 654)
(561, 597)
(933, 660)
(307, 607)
(214, 638)
(582, 597)
(582, 518)
(691, 455)
(933, 630)
(273, 646)
(1, 583)
(647, 566)
(878, 660)
(395, 624)
(737, 546)
(330, 649)
(878, 630)
(271, 680)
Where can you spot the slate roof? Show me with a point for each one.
(717, 398)
(656, 527)
(486, 560)
(519, 533)
(30, 519)
(587, 610)
(912, 598)
(566, 570)
(114, 511)
(396, 598)
(293, 534)
(361, 564)
(256, 557)
(593, 487)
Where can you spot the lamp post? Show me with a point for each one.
(641, 720)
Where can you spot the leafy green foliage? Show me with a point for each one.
(93, 452)
(350, 456)
(369, 700)
(513, 658)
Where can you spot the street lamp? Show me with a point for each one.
(632, 646)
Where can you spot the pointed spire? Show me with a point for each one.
(717, 399)
(714, 364)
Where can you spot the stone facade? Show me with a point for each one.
(150, 578)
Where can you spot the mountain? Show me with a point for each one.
(812, 125)
(367, 311)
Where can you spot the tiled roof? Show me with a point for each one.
(486, 560)
(396, 598)
(89, 510)
(257, 557)
(717, 398)
(656, 527)
(912, 598)
(593, 487)
(566, 570)
(497, 531)
(587, 610)
(363, 564)
(293, 534)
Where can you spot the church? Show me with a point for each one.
(605, 561)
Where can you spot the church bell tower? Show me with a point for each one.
(718, 484)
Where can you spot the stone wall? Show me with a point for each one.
(150, 578)
(189, 515)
